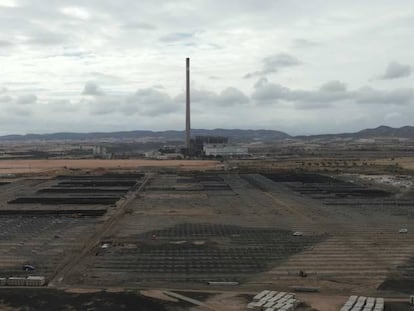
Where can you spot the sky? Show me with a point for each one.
(303, 67)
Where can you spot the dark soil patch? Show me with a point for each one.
(398, 306)
(402, 286)
(201, 296)
(304, 178)
(202, 252)
(50, 299)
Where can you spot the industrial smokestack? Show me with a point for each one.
(187, 107)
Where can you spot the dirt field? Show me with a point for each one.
(49, 299)
(406, 162)
(36, 166)
(180, 231)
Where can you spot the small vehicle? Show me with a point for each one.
(297, 233)
(28, 268)
(403, 230)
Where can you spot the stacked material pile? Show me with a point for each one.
(355, 303)
(23, 281)
(273, 301)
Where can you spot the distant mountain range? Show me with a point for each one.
(235, 135)
(378, 132)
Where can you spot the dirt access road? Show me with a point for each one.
(70, 262)
(37, 166)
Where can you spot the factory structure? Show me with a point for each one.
(215, 146)
(225, 150)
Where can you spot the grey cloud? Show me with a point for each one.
(303, 43)
(106, 78)
(75, 12)
(261, 82)
(126, 46)
(328, 94)
(62, 105)
(266, 92)
(368, 95)
(139, 26)
(312, 105)
(47, 38)
(5, 99)
(146, 102)
(158, 86)
(177, 36)
(23, 112)
(92, 89)
(77, 54)
(230, 96)
(333, 86)
(149, 102)
(102, 105)
(5, 43)
(20, 105)
(26, 99)
(396, 70)
(274, 63)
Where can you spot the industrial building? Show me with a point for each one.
(197, 144)
(206, 145)
(225, 150)
(101, 152)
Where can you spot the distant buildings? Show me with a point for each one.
(101, 152)
(215, 146)
(225, 150)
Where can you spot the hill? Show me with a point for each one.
(235, 135)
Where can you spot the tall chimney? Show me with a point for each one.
(187, 107)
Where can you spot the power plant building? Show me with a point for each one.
(224, 150)
(205, 145)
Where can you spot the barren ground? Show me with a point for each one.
(34, 166)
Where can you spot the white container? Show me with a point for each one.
(260, 295)
(35, 280)
(270, 294)
(251, 305)
(16, 281)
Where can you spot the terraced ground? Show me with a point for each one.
(42, 229)
(365, 246)
(353, 246)
(38, 241)
(182, 230)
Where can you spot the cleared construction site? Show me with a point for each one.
(208, 231)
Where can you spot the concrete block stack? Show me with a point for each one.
(273, 301)
(16, 281)
(355, 303)
(35, 281)
(23, 281)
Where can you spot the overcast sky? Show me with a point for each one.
(304, 67)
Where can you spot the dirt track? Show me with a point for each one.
(35, 166)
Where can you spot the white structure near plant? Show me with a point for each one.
(225, 150)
